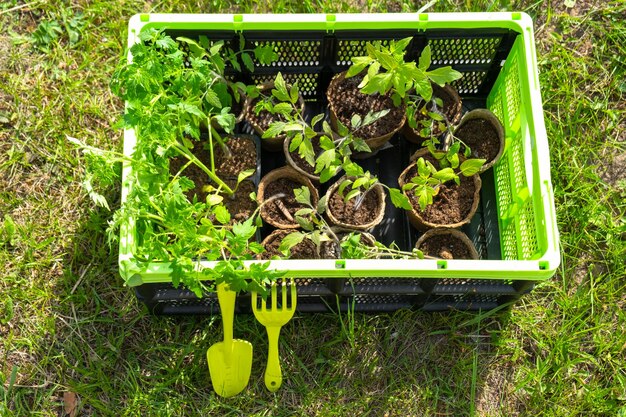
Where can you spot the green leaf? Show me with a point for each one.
(353, 170)
(245, 174)
(321, 204)
(265, 54)
(213, 99)
(355, 121)
(423, 87)
(351, 194)
(400, 46)
(325, 159)
(289, 241)
(304, 212)
(295, 142)
(221, 214)
(444, 75)
(318, 118)
(283, 108)
(380, 84)
(422, 168)
(471, 167)
(424, 60)
(245, 230)
(372, 117)
(444, 175)
(280, 90)
(326, 143)
(399, 200)
(305, 150)
(303, 195)
(275, 129)
(344, 184)
(358, 64)
(360, 182)
(293, 93)
(247, 61)
(304, 223)
(214, 199)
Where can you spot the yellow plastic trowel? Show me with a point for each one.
(230, 361)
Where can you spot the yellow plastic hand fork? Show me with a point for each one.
(273, 319)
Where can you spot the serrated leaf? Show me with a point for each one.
(326, 143)
(275, 129)
(245, 174)
(245, 230)
(303, 195)
(358, 64)
(247, 61)
(424, 59)
(353, 170)
(355, 121)
(444, 175)
(214, 199)
(471, 167)
(321, 204)
(372, 117)
(280, 88)
(265, 54)
(293, 93)
(221, 214)
(422, 168)
(325, 159)
(295, 142)
(318, 118)
(305, 223)
(304, 212)
(289, 241)
(213, 99)
(283, 108)
(399, 200)
(443, 75)
(360, 182)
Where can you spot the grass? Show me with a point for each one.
(68, 325)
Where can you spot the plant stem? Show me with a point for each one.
(212, 132)
(185, 152)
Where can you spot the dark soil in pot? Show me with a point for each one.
(240, 205)
(447, 244)
(280, 212)
(346, 100)
(451, 205)
(359, 213)
(243, 156)
(303, 250)
(481, 130)
(349, 214)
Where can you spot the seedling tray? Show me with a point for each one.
(514, 230)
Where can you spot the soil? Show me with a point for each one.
(451, 205)
(481, 137)
(303, 250)
(449, 110)
(346, 212)
(301, 162)
(243, 157)
(282, 186)
(240, 205)
(445, 247)
(349, 101)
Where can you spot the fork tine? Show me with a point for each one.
(294, 295)
(274, 297)
(283, 290)
(253, 300)
(263, 304)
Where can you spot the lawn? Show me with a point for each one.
(71, 334)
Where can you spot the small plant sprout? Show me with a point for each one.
(354, 247)
(359, 183)
(315, 228)
(426, 184)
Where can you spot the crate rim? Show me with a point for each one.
(536, 269)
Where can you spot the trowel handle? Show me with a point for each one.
(226, 298)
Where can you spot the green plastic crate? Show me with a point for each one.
(496, 54)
